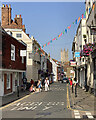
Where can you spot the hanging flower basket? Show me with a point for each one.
(87, 49)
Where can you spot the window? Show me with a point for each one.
(12, 52)
(19, 35)
(22, 59)
(8, 81)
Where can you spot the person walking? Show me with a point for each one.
(46, 84)
(72, 85)
(39, 85)
(75, 85)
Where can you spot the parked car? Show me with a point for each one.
(65, 80)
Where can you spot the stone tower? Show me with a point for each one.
(64, 56)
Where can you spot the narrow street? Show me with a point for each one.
(55, 103)
(51, 104)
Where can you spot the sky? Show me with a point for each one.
(46, 20)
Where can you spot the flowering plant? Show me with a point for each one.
(87, 49)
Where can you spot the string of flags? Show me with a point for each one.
(62, 33)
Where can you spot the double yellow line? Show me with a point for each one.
(68, 102)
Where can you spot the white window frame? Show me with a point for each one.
(8, 83)
(12, 52)
(22, 59)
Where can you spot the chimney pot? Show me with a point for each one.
(16, 16)
(3, 5)
(7, 6)
(20, 16)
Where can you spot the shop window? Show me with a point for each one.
(12, 52)
(8, 81)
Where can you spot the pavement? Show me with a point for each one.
(12, 97)
(83, 102)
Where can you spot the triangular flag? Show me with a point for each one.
(73, 22)
(48, 43)
(85, 14)
(54, 39)
(63, 32)
(78, 19)
(93, 7)
(51, 41)
(82, 16)
(42, 46)
(66, 30)
(69, 27)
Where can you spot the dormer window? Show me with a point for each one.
(19, 35)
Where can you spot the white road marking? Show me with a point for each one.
(89, 115)
(13, 108)
(46, 108)
(40, 103)
(76, 114)
(77, 117)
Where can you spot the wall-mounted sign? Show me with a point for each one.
(22, 53)
(77, 54)
(72, 63)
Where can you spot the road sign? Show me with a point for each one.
(22, 53)
(77, 54)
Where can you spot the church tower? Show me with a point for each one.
(64, 56)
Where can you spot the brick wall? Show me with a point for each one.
(7, 63)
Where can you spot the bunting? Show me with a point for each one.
(62, 33)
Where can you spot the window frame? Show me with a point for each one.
(13, 52)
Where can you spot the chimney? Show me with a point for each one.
(5, 15)
(18, 21)
(9, 14)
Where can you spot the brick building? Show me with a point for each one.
(13, 65)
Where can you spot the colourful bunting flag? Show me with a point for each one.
(93, 7)
(54, 39)
(73, 22)
(66, 30)
(48, 43)
(69, 27)
(63, 32)
(82, 16)
(85, 14)
(51, 41)
(78, 19)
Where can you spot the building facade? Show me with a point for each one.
(13, 65)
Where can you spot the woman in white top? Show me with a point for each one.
(46, 84)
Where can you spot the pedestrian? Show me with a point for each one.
(24, 83)
(39, 85)
(70, 82)
(32, 81)
(75, 85)
(46, 84)
(32, 88)
(72, 85)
